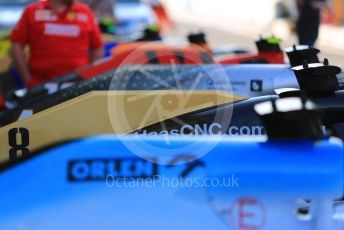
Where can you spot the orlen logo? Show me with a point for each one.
(120, 168)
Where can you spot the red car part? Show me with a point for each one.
(269, 52)
(141, 53)
(2, 103)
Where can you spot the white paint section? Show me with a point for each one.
(25, 114)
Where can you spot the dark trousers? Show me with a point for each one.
(307, 27)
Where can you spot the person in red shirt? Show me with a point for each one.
(62, 35)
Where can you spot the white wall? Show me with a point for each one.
(242, 16)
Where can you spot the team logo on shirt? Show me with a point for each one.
(81, 17)
(71, 16)
(61, 30)
(45, 15)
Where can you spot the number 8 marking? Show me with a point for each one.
(18, 147)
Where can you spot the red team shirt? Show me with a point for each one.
(59, 43)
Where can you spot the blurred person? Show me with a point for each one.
(308, 23)
(62, 35)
